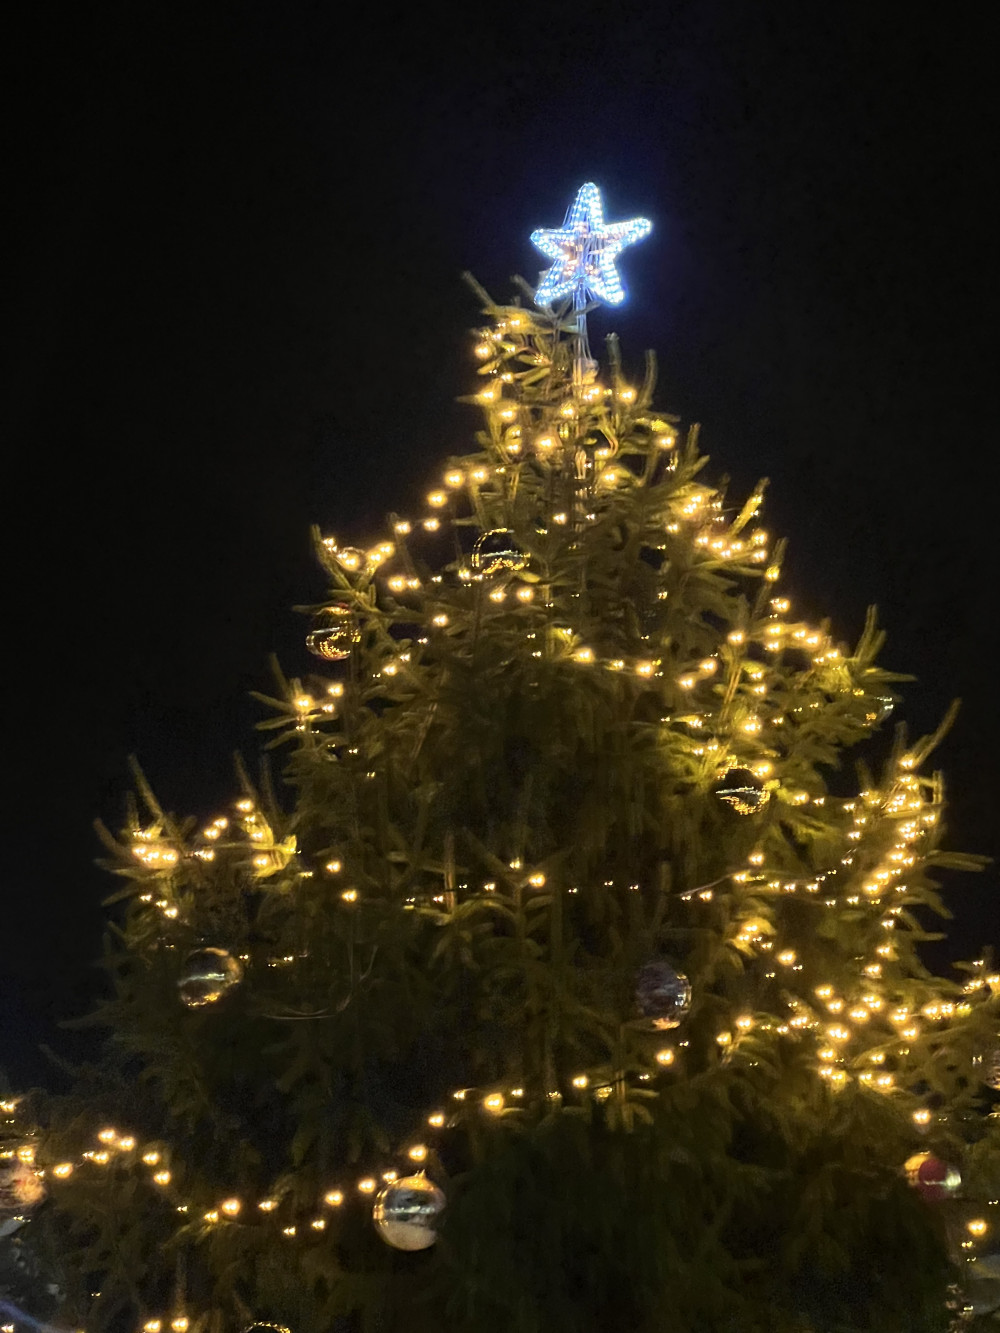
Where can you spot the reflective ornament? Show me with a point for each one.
(988, 1265)
(933, 1179)
(21, 1187)
(885, 706)
(662, 994)
(981, 1295)
(497, 550)
(406, 1212)
(207, 975)
(336, 630)
(991, 1070)
(742, 790)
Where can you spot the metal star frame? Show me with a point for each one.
(585, 249)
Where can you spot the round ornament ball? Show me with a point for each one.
(406, 1213)
(662, 994)
(933, 1179)
(335, 633)
(981, 1295)
(207, 975)
(991, 1070)
(21, 1187)
(988, 1265)
(497, 551)
(742, 790)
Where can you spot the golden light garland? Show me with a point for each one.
(853, 1028)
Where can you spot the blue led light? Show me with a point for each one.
(585, 249)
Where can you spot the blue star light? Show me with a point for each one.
(585, 250)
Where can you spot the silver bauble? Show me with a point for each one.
(742, 790)
(335, 633)
(981, 1295)
(991, 1070)
(987, 1265)
(206, 975)
(21, 1187)
(406, 1211)
(662, 994)
(497, 551)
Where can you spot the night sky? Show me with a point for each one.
(237, 310)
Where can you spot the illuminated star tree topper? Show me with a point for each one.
(584, 249)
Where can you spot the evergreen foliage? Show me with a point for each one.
(499, 806)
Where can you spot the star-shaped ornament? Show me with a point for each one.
(585, 249)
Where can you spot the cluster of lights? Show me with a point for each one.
(116, 1149)
(584, 251)
(161, 852)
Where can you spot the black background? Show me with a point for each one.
(237, 310)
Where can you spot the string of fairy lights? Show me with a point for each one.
(838, 1020)
(856, 1029)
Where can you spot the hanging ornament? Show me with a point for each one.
(662, 994)
(496, 551)
(742, 790)
(981, 1295)
(933, 1179)
(885, 704)
(336, 630)
(406, 1212)
(991, 1070)
(207, 974)
(21, 1187)
(988, 1265)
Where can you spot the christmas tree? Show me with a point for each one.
(572, 977)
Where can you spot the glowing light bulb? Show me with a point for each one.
(494, 1102)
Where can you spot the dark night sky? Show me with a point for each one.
(237, 310)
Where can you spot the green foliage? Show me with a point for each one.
(496, 808)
